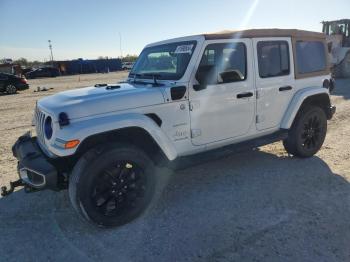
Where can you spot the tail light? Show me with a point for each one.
(23, 81)
(326, 83)
(329, 84)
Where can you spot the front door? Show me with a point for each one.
(222, 100)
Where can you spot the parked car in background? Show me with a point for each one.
(127, 65)
(43, 72)
(27, 70)
(12, 83)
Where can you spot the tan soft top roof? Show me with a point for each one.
(264, 33)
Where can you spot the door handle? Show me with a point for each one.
(243, 95)
(285, 88)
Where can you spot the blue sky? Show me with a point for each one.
(88, 29)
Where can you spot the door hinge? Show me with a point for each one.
(195, 133)
(194, 105)
(259, 119)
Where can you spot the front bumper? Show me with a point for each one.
(34, 168)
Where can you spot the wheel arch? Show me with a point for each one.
(110, 126)
(317, 96)
(134, 135)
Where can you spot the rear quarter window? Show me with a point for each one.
(311, 56)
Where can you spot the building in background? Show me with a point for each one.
(81, 66)
(66, 67)
(10, 68)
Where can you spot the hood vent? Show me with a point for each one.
(108, 87)
(112, 87)
(100, 85)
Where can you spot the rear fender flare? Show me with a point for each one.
(297, 102)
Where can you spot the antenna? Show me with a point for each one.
(120, 45)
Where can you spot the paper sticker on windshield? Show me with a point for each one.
(184, 49)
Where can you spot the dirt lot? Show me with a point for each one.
(259, 205)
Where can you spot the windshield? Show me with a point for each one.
(166, 62)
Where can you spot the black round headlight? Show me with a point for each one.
(48, 127)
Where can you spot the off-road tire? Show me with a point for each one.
(11, 89)
(94, 167)
(308, 132)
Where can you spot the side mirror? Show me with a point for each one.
(205, 76)
(231, 76)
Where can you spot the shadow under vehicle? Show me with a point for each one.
(251, 206)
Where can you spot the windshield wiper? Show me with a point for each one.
(155, 76)
(133, 75)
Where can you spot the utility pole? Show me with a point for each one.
(50, 47)
(120, 46)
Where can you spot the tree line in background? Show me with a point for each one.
(24, 62)
(127, 58)
(27, 63)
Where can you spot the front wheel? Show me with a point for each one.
(307, 133)
(112, 185)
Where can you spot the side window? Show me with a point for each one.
(311, 56)
(273, 58)
(223, 63)
(3, 77)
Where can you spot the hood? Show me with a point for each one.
(96, 100)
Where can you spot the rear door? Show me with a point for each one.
(274, 80)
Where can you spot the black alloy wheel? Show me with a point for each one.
(119, 188)
(312, 132)
(112, 184)
(308, 132)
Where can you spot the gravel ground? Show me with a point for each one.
(258, 205)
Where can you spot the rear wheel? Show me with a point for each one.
(11, 89)
(308, 132)
(113, 185)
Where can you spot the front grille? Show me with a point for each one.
(39, 125)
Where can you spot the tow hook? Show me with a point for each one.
(13, 185)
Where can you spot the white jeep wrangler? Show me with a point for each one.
(183, 96)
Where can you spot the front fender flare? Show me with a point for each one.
(296, 102)
(82, 129)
